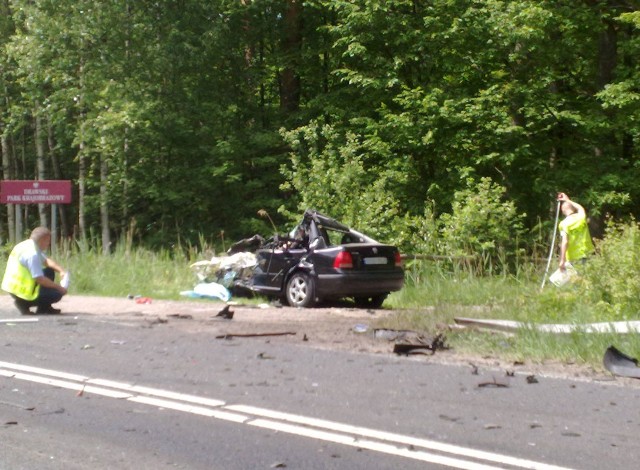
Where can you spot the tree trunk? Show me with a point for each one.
(40, 162)
(82, 176)
(607, 54)
(57, 174)
(8, 174)
(104, 204)
(289, 78)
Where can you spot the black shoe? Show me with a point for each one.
(48, 310)
(22, 306)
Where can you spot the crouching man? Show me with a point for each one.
(30, 275)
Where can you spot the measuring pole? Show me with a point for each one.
(553, 242)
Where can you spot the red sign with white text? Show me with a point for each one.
(35, 192)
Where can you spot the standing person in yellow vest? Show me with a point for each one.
(30, 275)
(575, 244)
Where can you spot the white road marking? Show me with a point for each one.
(370, 445)
(392, 437)
(379, 441)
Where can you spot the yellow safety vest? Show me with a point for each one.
(580, 244)
(17, 279)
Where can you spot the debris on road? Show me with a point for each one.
(620, 364)
(395, 335)
(494, 383)
(360, 328)
(157, 321)
(181, 316)
(226, 313)
(253, 335)
(420, 344)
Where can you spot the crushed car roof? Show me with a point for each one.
(321, 219)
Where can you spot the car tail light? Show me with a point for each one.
(398, 259)
(343, 260)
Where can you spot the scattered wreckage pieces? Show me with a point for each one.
(620, 364)
(512, 326)
(254, 335)
(411, 342)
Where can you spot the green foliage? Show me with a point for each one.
(340, 176)
(397, 102)
(482, 222)
(612, 278)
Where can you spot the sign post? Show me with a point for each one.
(37, 192)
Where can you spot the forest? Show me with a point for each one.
(444, 126)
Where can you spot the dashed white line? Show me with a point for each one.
(379, 441)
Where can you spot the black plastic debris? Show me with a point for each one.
(493, 384)
(620, 364)
(226, 313)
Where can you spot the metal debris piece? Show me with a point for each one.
(226, 313)
(492, 426)
(620, 364)
(531, 379)
(420, 344)
(253, 335)
(182, 316)
(360, 328)
(493, 383)
(395, 335)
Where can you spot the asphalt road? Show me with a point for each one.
(88, 391)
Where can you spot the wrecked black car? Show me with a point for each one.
(322, 259)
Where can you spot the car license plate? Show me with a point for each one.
(376, 260)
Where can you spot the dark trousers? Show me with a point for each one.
(46, 297)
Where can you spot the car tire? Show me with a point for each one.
(301, 290)
(373, 301)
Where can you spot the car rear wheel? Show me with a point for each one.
(373, 301)
(301, 290)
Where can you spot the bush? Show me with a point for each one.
(612, 278)
(482, 223)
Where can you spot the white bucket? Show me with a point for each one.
(561, 277)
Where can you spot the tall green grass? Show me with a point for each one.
(435, 293)
(126, 271)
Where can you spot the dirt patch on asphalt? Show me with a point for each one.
(337, 328)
